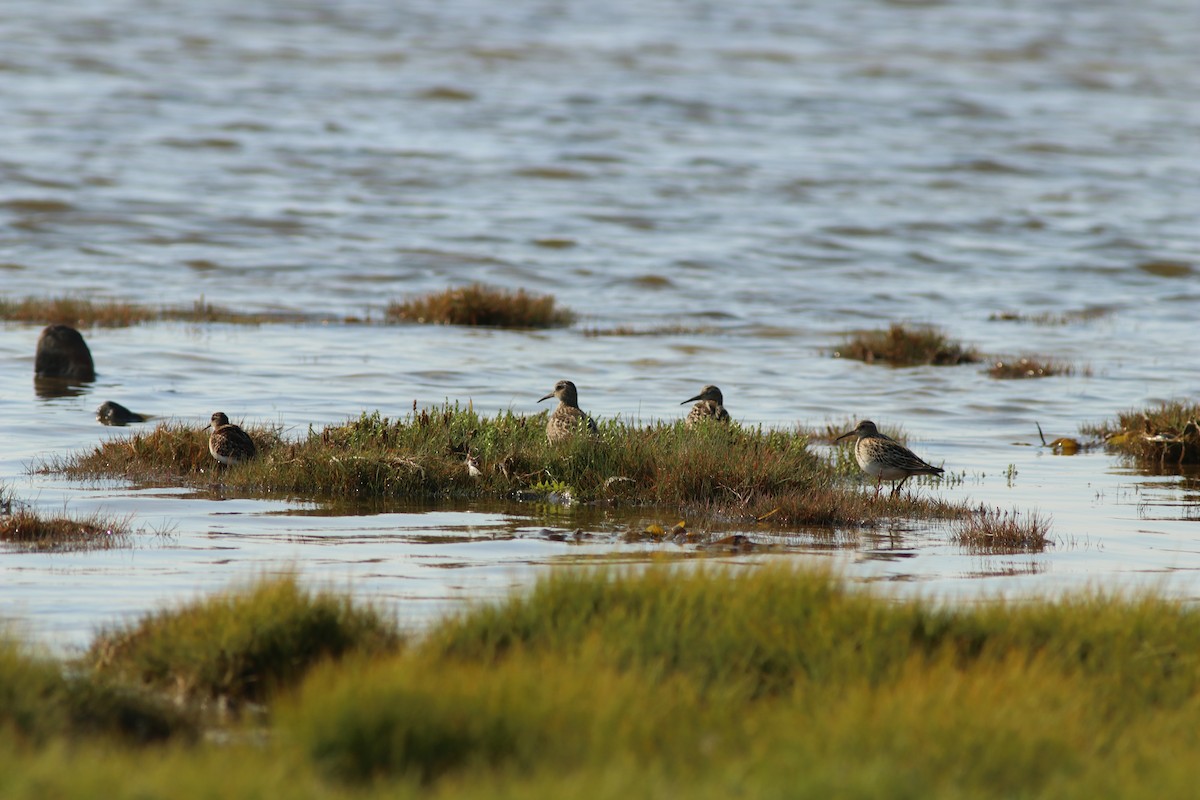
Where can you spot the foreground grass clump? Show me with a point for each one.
(710, 471)
(1164, 436)
(482, 305)
(700, 676)
(993, 530)
(906, 346)
(233, 648)
(702, 683)
(84, 313)
(39, 701)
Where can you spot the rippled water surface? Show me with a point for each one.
(771, 174)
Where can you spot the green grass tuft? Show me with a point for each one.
(683, 682)
(239, 647)
(906, 346)
(38, 702)
(482, 305)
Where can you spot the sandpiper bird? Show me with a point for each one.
(886, 459)
(568, 419)
(228, 443)
(711, 406)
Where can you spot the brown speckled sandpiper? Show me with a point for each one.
(228, 443)
(568, 419)
(885, 459)
(711, 406)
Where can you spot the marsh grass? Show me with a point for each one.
(720, 472)
(704, 674)
(39, 701)
(481, 305)
(84, 313)
(1160, 437)
(168, 453)
(240, 646)
(1028, 367)
(680, 682)
(994, 530)
(23, 527)
(906, 346)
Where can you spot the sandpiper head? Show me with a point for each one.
(864, 428)
(218, 419)
(709, 392)
(565, 392)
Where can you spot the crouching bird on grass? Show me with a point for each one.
(568, 419)
(885, 459)
(711, 406)
(228, 443)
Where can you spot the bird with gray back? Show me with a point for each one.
(567, 419)
(885, 459)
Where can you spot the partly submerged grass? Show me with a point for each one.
(906, 346)
(22, 526)
(482, 305)
(1028, 367)
(994, 530)
(1154, 438)
(240, 646)
(659, 330)
(84, 313)
(702, 683)
(710, 471)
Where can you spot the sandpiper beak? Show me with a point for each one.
(547, 397)
(690, 400)
(844, 435)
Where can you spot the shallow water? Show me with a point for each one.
(775, 175)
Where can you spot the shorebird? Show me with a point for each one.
(228, 443)
(568, 419)
(711, 406)
(884, 458)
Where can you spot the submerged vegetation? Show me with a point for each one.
(482, 305)
(993, 530)
(659, 682)
(23, 527)
(723, 472)
(1154, 438)
(84, 313)
(906, 346)
(1028, 367)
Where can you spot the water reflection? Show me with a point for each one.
(53, 388)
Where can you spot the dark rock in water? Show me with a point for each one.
(62, 353)
(111, 413)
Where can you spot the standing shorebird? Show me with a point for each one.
(711, 406)
(568, 419)
(886, 459)
(228, 443)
